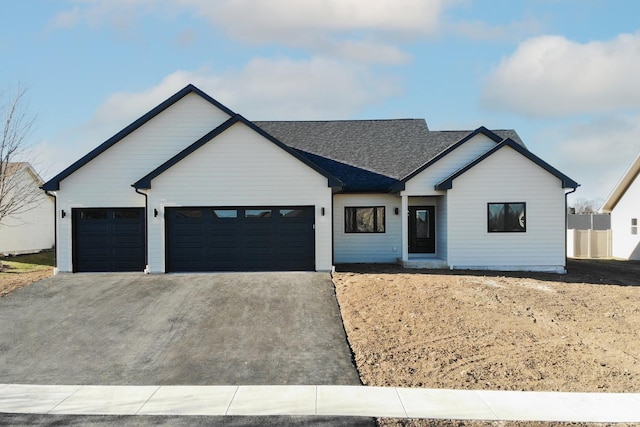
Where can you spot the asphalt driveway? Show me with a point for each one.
(199, 329)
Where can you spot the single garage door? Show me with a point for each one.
(108, 239)
(279, 238)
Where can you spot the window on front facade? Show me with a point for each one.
(506, 217)
(364, 219)
(634, 225)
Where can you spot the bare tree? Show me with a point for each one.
(586, 206)
(17, 194)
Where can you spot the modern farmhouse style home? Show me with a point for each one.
(193, 186)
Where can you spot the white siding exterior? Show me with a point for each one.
(240, 168)
(626, 245)
(506, 176)
(423, 183)
(367, 247)
(33, 230)
(106, 180)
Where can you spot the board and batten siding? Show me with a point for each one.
(240, 168)
(106, 180)
(625, 244)
(507, 176)
(367, 247)
(424, 182)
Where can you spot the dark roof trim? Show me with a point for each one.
(567, 182)
(481, 130)
(145, 182)
(54, 183)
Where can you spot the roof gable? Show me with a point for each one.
(54, 183)
(567, 182)
(481, 130)
(622, 186)
(145, 182)
(13, 168)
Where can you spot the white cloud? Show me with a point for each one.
(360, 30)
(277, 20)
(595, 153)
(264, 89)
(120, 14)
(552, 76)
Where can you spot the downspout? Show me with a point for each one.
(566, 224)
(55, 230)
(146, 226)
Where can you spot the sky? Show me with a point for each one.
(565, 74)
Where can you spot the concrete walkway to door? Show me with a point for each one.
(177, 329)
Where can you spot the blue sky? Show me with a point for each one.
(563, 73)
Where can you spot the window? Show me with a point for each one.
(506, 217)
(126, 214)
(257, 213)
(94, 214)
(224, 213)
(292, 213)
(189, 213)
(634, 225)
(364, 220)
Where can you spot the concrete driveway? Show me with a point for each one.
(199, 329)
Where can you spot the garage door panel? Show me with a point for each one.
(108, 239)
(241, 239)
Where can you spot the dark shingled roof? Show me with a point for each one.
(368, 155)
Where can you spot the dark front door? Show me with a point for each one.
(422, 230)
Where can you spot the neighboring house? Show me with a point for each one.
(193, 186)
(30, 229)
(624, 206)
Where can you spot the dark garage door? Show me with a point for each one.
(108, 239)
(240, 239)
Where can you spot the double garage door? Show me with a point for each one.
(273, 238)
(276, 238)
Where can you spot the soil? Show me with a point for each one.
(578, 332)
(9, 282)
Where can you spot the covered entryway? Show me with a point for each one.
(272, 238)
(108, 239)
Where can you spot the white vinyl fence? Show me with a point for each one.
(589, 243)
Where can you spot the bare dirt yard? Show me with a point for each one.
(578, 332)
(22, 270)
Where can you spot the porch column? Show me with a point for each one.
(404, 211)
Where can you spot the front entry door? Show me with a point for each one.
(422, 230)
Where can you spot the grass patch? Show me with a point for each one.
(26, 263)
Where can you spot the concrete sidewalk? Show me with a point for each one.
(322, 400)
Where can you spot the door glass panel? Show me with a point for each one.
(189, 213)
(93, 214)
(292, 213)
(126, 214)
(257, 213)
(422, 224)
(225, 213)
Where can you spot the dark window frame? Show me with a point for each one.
(352, 228)
(505, 227)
